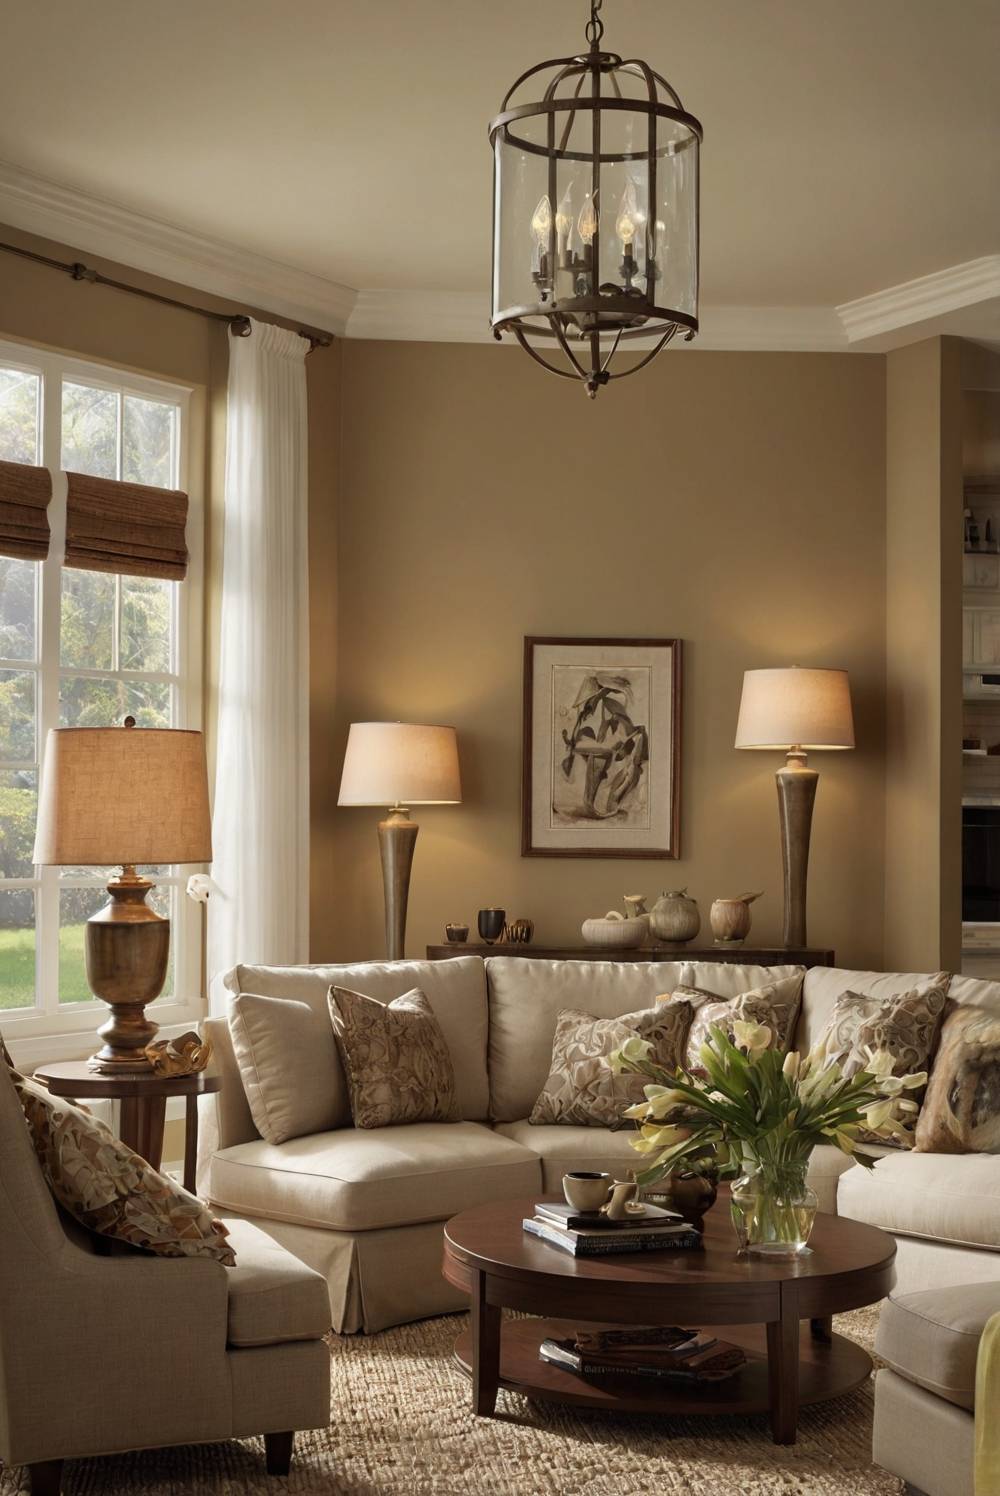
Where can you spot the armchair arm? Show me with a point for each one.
(988, 1408)
(100, 1354)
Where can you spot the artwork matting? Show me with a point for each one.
(601, 749)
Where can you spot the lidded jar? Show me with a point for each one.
(675, 917)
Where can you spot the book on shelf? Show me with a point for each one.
(569, 1218)
(698, 1358)
(599, 1243)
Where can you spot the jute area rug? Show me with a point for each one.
(400, 1423)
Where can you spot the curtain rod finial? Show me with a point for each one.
(240, 327)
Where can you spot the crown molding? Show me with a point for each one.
(463, 317)
(917, 301)
(98, 227)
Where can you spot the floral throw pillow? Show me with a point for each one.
(961, 1110)
(905, 1024)
(776, 1005)
(582, 1089)
(395, 1057)
(111, 1190)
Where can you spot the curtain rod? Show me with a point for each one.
(239, 323)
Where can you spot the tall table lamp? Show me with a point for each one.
(399, 764)
(793, 711)
(125, 796)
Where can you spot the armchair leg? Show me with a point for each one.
(45, 1477)
(277, 1452)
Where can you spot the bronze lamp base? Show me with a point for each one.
(127, 946)
(796, 797)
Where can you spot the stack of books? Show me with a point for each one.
(664, 1351)
(590, 1234)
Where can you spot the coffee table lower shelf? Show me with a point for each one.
(828, 1368)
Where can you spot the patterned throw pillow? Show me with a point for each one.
(395, 1057)
(961, 1110)
(905, 1024)
(111, 1190)
(776, 1005)
(582, 1089)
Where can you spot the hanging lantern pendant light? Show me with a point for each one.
(595, 221)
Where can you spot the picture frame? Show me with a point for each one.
(601, 747)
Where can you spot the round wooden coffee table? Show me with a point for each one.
(758, 1303)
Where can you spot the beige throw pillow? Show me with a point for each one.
(776, 1005)
(289, 1066)
(961, 1110)
(905, 1024)
(111, 1190)
(582, 1089)
(396, 1059)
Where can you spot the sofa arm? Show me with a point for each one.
(108, 1353)
(223, 1117)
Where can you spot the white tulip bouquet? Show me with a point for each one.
(758, 1113)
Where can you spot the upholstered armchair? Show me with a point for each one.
(100, 1354)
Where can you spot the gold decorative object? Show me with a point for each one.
(794, 710)
(399, 764)
(518, 932)
(125, 796)
(185, 1055)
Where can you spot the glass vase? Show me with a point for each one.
(773, 1210)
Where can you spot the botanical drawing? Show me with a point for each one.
(601, 747)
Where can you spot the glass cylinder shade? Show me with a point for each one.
(595, 215)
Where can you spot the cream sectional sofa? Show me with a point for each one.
(365, 1208)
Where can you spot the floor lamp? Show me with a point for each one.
(795, 710)
(399, 764)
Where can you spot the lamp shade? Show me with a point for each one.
(400, 763)
(795, 708)
(123, 795)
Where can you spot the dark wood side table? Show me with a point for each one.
(778, 1310)
(143, 1104)
(751, 955)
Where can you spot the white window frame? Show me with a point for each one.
(50, 1030)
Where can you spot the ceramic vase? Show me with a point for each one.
(731, 919)
(674, 917)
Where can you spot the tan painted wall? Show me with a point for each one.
(733, 500)
(924, 653)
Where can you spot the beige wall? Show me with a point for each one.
(735, 501)
(924, 652)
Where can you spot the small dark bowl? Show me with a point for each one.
(491, 923)
(456, 933)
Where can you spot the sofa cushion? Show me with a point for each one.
(562, 1150)
(273, 1297)
(826, 1165)
(526, 997)
(455, 989)
(961, 1111)
(774, 1004)
(932, 1338)
(824, 984)
(352, 1180)
(397, 1064)
(730, 978)
(289, 1066)
(582, 1088)
(937, 1196)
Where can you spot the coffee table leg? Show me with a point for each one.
(485, 1348)
(822, 1329)
(783, 1370)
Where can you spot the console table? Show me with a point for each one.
(753, 955)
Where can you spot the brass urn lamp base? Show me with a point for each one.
(127, 947)
(397, 838)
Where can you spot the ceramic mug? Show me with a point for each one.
(586, 1191)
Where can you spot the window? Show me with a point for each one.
(83, 648)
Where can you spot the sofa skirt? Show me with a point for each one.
(375, 1279)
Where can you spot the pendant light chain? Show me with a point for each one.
(595, 26)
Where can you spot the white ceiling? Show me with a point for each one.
(850, 145)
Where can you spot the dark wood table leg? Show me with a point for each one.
(486, 1320)
(130, 1123)
(822, 1329)
(278, 1452)
(45, 1478)
(190, 1143)
(783, 1368)
(141, 1126)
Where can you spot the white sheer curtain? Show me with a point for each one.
(259, 910)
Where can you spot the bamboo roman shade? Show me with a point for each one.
(125, 527)
(24, 501)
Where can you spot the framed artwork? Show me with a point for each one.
(601, 768)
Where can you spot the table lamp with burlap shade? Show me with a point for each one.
(125, 796)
